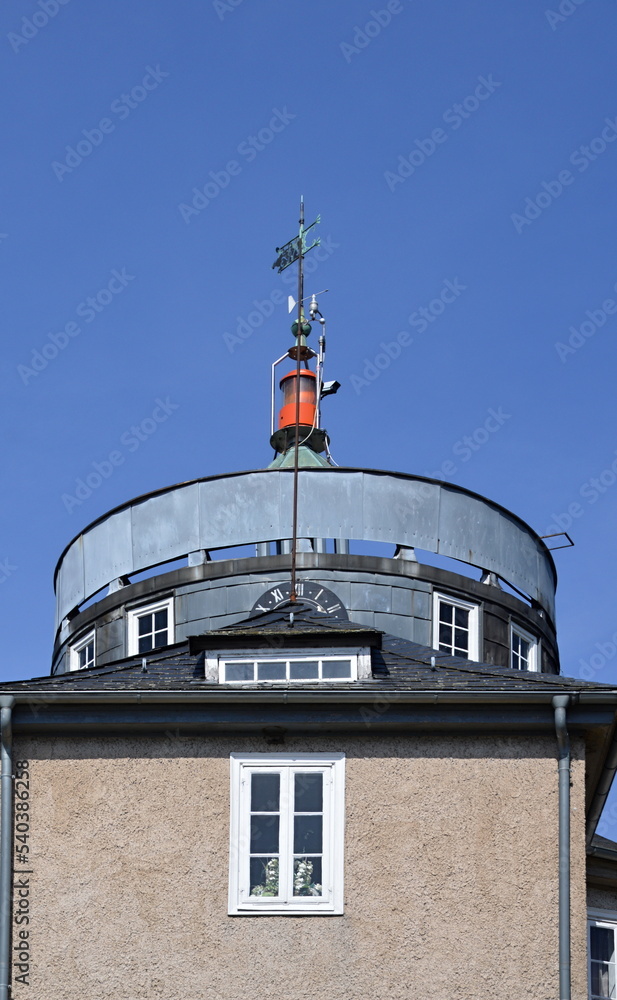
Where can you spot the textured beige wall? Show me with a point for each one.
(451, 875)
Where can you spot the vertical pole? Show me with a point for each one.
(6, 841)
(294, 530)
(560, 704)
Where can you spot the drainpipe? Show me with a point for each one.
(560, 704)
(6, 840)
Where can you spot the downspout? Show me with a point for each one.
(560, 704)
(6, 840)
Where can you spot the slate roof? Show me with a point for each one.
(399, 664)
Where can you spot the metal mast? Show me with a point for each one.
(290, 252)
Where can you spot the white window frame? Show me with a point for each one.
(77, 647)
(332, 765)
(533, 663)
(599, 918)
(360, 657)
(474, 622)
(132, 621)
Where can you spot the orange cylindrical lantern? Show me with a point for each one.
(308, 398)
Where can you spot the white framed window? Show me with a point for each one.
(300, 666)
(456, 626)
(286, 834)
(602, 927)
(150, 627)
(82, 653)
(524, 649)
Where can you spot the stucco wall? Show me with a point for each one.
(451, 874)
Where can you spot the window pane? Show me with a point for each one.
(145, 644)
(307, 877)
(335, 669)
(239, 671)
(265, 792)
(271, 671)
(308, 792)
(264, 874)
(305, 670)
(160, 639)
(445, 634)
(160, 619)
(86, 656)
(446, 613)
(461, 617)
(144, 624)
(264, 834)
(307, 834)
(602, 943)
(602, 980)
(460, 640)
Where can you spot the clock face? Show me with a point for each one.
(318, 597)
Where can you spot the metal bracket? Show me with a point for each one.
(558, 534)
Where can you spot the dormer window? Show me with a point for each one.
(298, 666)
(81, 656)
(456, 627)
(150, 627)
(523, 649)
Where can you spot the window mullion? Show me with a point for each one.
(286, 835)
(328, 834)
(244, 845)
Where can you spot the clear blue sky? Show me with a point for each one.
(497, 104)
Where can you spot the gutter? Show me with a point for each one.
(219, 693)
(6, 841)
(560, 704)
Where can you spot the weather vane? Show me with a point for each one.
(298, 246)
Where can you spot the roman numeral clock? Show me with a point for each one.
(323, 600)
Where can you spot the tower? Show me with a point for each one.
(369, 750)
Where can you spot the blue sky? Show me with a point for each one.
(441, 142)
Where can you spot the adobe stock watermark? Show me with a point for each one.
(87, 310)
(420, 320)
(471, 443)
(30, 26)
(379, 19)
(590, 491)
(264, 308)
(565, 10)
(581, 158)
(223, 7)
(579, 335)
(454, 116)
(130, 441)
(249, 148)
(6, 570)
(121, 107)
(465, 448)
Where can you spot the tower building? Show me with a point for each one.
(268, 759)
